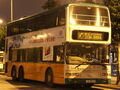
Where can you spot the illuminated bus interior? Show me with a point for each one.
(89, 16)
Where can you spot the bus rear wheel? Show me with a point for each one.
(13, 74)
(49, 78)
(21, 75)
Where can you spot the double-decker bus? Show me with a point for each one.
(64, 45)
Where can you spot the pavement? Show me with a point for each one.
(110, 86)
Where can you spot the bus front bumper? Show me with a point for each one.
(87, 81)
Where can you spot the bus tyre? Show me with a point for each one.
(49, 78)
(13, 74)
(21, 75)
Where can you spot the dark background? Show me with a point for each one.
(21, 8)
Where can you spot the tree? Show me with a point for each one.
(3, 30)
(50, 4)
(114, 6)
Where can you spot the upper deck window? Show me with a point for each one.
(88, 15)
(49, 19)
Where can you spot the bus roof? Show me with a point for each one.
(30, 17)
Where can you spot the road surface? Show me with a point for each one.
(7, 84)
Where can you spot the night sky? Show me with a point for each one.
(21, 8)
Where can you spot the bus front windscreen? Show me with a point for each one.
(89, 16)
(87, 54)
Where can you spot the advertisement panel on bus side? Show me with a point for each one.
(44, 38)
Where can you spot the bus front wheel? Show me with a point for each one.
(49, 78)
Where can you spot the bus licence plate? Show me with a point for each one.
(90, 81)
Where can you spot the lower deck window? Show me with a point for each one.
(26, 55)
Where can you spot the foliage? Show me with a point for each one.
(114, 6)
(50, 4)
(2, 35)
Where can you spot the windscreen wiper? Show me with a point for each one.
(80, 64)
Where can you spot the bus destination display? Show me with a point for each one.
(84, 35)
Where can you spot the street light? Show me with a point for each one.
(12, 10)
(1, 21)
